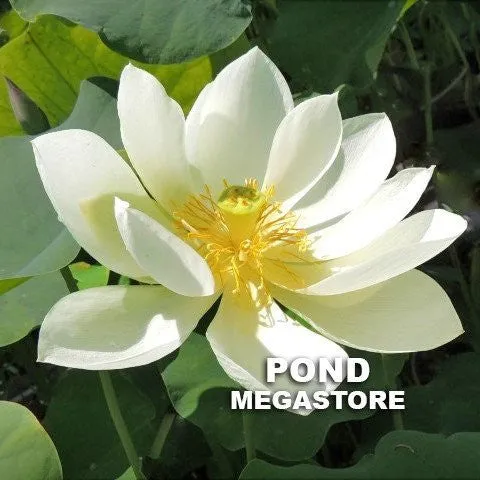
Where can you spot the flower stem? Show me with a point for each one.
(120, 425)
(69, 280)
(248, 435)
(396, 414)
(407, 41)
(162, 433)
(427, 92)
(413, 369)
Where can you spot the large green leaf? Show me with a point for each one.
(24, 307)
(26, 451)
(80, 425)
(156, 32)
(50, 58)
(322, 44)
(400, 454)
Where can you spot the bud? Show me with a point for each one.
(29, 115)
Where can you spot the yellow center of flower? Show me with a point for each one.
(235, 232)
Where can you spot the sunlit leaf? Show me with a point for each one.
(50, 58)
(89, 276)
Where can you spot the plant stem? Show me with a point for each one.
(449, 87)
(455, 41)
(69, 280)
(120, 425)
(248, 435)
(427, 93)
(407, 41)
(396, 414)
(413, 369)
(162, 434)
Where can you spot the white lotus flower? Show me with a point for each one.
(254, 199)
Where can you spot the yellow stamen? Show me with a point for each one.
(234, 233)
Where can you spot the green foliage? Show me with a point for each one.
(291, 437)
(154, 32)
(26, 451)
(400, 454)
(416, 60)
(448, 394)
(95, 452)
(40, 243)
(6, 285)
(457, 181)
(88, 276)
(24, 307)
(200, 391)
(326, 43)
(50, 58)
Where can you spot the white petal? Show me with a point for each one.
(407, 314)
(152, 127)
(117, 327)
(230, 132)
(243, 337)
(407, 245)
(82, 174)
(365, 158)
(194, 119)
(305, 145)
(167, 258)
(392, 202)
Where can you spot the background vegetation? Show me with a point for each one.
(417, 61)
